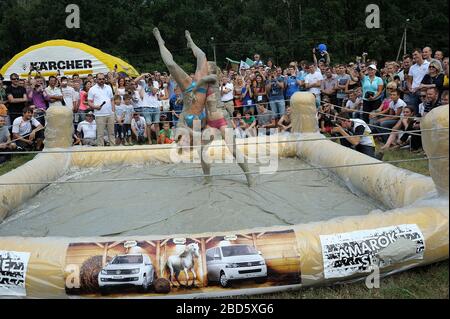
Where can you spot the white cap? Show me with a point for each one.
(373, 66)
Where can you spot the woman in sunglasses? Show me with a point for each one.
(423, 101)
(434, 78)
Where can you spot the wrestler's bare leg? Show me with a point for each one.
(202, 61)
(208, 133)
(238, 155)
(182, 78)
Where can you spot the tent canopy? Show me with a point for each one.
(67, 57)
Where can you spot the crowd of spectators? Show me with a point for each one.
(354, 101)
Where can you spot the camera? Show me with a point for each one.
(369, 95)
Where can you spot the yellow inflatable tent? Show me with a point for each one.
(67, 57)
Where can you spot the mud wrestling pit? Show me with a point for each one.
(104, 221)
(180, 204)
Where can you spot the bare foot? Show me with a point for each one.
(208, 180)
(189, 39)
(158, 37)
(251, 180)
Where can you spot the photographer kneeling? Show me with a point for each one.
(356, 133)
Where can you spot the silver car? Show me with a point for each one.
(127, 270)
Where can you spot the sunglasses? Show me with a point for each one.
(15, 79)
(423, 96)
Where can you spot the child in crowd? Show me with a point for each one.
(249, 123)
(379, 116)
(285, 123)
(139, 128)
(119, 125)
(353, 105)
(127, 117)
(238, 125)
(327, 116)
(166, 134)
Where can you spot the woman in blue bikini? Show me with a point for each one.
(194, 96)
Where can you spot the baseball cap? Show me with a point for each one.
(373, 66)
(90, 113)
(322, 47)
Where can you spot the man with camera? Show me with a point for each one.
(357, 134)
(292, 82)
(372, 86)
(275, 87)
(38, 97)
(69, 95)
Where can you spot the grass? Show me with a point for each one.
(430, 282)
(420, 167)
(17, 160)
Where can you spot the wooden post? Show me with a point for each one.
(158, 256)
(204, 268)
(254, 241)
(105, 252)
(163, 258)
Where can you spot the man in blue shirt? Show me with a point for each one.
(292, 83)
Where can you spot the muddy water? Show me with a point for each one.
(181, 205)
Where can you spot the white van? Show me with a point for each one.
(235, 262)
(127, 270)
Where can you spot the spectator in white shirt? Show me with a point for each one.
(69, 95)
(395, 110)
(27, 132)
(87, 130)
(139, 128)
(227, 89)
(54, 93)
(313, 82)
(415, 76)
(150, 108)
(101, 99)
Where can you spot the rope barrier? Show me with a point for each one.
(365, 112)
(174, 146)
(218, 175)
